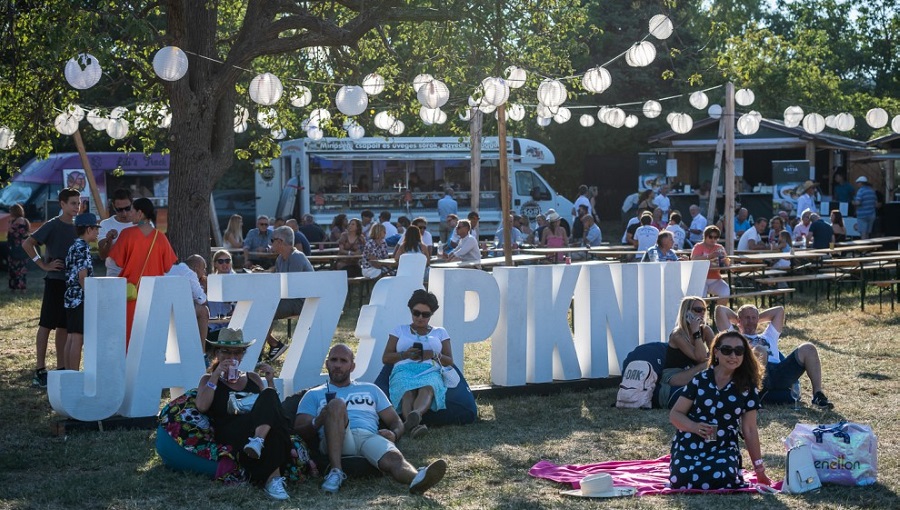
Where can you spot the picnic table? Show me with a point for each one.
(873, 240)
(331, 260)
(861, 265)
(489, 261)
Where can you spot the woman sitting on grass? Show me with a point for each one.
(265, 425)
(719, 404)
(687, 354)
(415, 385)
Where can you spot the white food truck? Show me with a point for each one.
(405, 176)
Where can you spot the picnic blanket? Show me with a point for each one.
(649, 477)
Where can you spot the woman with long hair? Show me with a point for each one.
(140, 251)
(717, 406)
(687, 354)
(233, 239)
(17, 260)
(776, 227)
(351, 242)
(412, 243)
(554, 235)
(338, 226)
(837, 224)
(375, 250)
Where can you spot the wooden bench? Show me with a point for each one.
(886, 286)
(363, 286)
(814, 278)
(773, 296)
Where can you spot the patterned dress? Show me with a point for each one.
(17, 260)
(708, 465)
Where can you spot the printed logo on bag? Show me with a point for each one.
(840, 462)
(638, 383)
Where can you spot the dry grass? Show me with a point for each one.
(489, 460)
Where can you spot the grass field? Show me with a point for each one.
(489, 460)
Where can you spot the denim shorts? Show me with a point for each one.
(781, 376)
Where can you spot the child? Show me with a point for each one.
(78, 267)
(784, 246)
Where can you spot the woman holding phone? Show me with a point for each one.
(414, 349)
(687, 354)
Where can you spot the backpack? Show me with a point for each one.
(638, 383)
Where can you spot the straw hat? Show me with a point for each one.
(553, 216)
(231, 338)
(599, 485)
(805, 186)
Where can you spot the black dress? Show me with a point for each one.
(698, 464)
(237, 429)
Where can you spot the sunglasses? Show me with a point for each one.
(713, 237)
(728, 350)
(262, 224)
(699, 310)
(223, 261)
(417, 313)
(123, 209)
(232, 352)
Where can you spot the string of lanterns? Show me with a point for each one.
(171, 64)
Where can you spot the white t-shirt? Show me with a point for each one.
(697, 223)
(678, 234)
(751, 233)
(804, 202)
(646, 236)
(663, 202)
(431, 341)
(631, 222)
(106, 225)
(583, 200)
(770, 335)
(389, 229)
(182, 269)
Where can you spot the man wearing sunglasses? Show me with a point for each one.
(111, 227)
(781, 372)
(258, 239)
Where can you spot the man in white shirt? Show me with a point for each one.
(698, 223)
(467, 248)
(194, 269)
(678, 233)
(751, 239)
(582, 200)
(645, 235)
(662, 201)
(801, 231)
(385, 219)
(111, 227)
(806, 196)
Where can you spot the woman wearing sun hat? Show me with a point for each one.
(260, 435)
(554, 235)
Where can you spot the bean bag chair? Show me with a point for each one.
(653, 353)
(461, 408)
(185, 442)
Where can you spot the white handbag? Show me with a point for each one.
(799, 471)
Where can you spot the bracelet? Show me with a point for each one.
(697, 335)
(758, 463)
(211, 385)
(36, 258)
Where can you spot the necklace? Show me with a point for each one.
(142, 222)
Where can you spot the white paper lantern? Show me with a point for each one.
(241, 115)
(117, 129)
(543, 121)
(75, 111)
(397, 128)
(631, 121)
(170, 63)
(831, 121)
(744, 97)
(641, 54)
(670, 117)
(240, 128)
(373, 84)
(652, 109)
(661, 26)
(315, 133)
(83, 72)
(551, 93)
(699, 100)
(496, 91)
(319, 116)
(432, 116)
(813, 123)
(279, 134)
(562, 115)
(351, 100)
(895, 124)
(301, 96)
(433, 94)
(515, 77)
(487, 108)
(715, 111)
(383, 120)
(515, 112)
(66, 124)
(601, 114)
(420, 80)
(747, 124)
(305, 124)
(97, 119)
(266, 89)
(682, 123)
(466, 115)
(545, 111)
(755, 114)
(355, 132)
(877, 118)
(118, 113)
(586, 120)
(474, 103)
(596, 80)
(615, 117)
(793, 116)
(844, 122)
(267, 118)
(7, 138)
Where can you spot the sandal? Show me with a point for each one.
(412, 421)
(418, 431)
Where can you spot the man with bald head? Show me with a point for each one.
(345, 414)
(194, 269)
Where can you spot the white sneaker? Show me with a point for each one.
(254, 447)
(333, 481)
(427, 477)
(275, 489)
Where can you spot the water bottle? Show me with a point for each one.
(721, 259)
(654, 256)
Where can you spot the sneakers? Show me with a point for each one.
(428, 477)
(40, 378)
(275, 351)
(333, 481)
(821, 401)
(418, 431)
(412, 421)
(254, 448)
(275, 488)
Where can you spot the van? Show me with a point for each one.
(406, 176)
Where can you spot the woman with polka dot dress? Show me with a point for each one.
(719, 404)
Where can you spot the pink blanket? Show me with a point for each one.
(649, 477)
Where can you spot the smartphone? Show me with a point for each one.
(690, 317)
(418, 345)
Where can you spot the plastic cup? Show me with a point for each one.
(713, 435)
(233, 373)
(329, 396)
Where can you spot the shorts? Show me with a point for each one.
(669, 394)
(718, 287)
(53, 305)
(289, 308)
(362, 443)
(781, 376)
(75, 319)
(864, 225)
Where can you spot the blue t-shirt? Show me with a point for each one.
(867, 199)
(364, 402)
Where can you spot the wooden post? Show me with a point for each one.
(475, 163)
(728, 214)
(504, 185)
(95, 192)
(717, 173)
